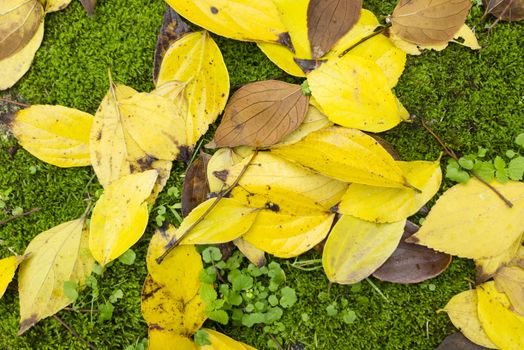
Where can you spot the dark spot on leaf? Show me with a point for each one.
(185, 154)
(273, 207)
(334, 209)
(308, 65)
(156, 326)
(285, 40)
(99, 135)
(145, 162)
(151, 292)
(214, 10)
(221, 175)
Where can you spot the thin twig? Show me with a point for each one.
(277, 343)
(78, 310)
(74, 333)
(364, 39)
(378, 290)
(452, 154)
(175, 240)
(34, 210)
(21, 104)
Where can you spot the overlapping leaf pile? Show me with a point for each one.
(293, 167)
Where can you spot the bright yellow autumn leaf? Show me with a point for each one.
(462, 311)
(471, 221)
(354, 92)
(227, 220)
(55, 256)
(55, 134)
(220, 341)
(313, 121)
(7, 271)
(161, 339)
(12, 68)
(235, 19)
(288, 235)
(274, 183)
(381, 204)
(198, 81)
(170, 298)
(355, 248)
(293, 14)
(348, 155)
(504, 327)
(120, 216)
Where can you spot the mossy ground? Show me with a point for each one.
(470, 98)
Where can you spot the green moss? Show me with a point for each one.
(470, 98)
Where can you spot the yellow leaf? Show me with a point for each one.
(120, 216)
(288, 235)
(223, 158)
(170, 298)
(57, 255)
(293, 14)
(314, 120)
(462, 311)
(364, 27)
(471, 221)
(215, 228)
(355, 248)
(282, 57)
(347, 155)
(55, 134)
(161, 339)
(253, 254)
(504, 327)
(220, 341)
(235, 19)
(131, 131)
(487, 267)
(15, 66)
(381, 204)
(274, 183)
(196, 62)
(7, 271)
(354, 92)
(56, 5)
(510, 280)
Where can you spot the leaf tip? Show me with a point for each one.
(27, 323)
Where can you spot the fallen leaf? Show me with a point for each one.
(429, 22)
(457, 341)
(89, 6)
(235, 19)
(411, 263)
(328, 21)
(506, 10)
(19, 23)
(161, 339)
(487, 267)
(504, 327)
(256, 256)
(196, 187)
(356, 248)
(347, 155)
(120, 216)
(471, 221)
(220, 341)
(173, 28)
(56, 5)
(381, 204)
(7, 271)
(462, 311)
(261, 114)
(293, 14)
(510, 280)
(57, 255)
(15, 66)
(54, 134)
(288, 235)
(217, 168)
(313, 121)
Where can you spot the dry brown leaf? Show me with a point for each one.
(261, 114)
(429, 22)
(328, 21)
(89, 6)
(505, 10)
(195, 187)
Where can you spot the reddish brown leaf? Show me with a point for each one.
(89, 6)
(505, 10)
(195, 187)
(173, 28)
(457, 341)
(429, 22)
(328, 21)
(411, 263)
(261, 114)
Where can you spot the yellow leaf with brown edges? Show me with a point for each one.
(487, 267)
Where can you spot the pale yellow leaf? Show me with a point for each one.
(223, 158)
(55, 134)
(120, 216)
(504, 327)
(220, 341)
(288, 235)
(7, 270)
(314, 120)
(381, 204)
(348, 155)
(355, 248)
(57, 255)
(510, 280)
(253, 254)
(471, 221)
(487, 267)
(56, 5)
(462, 311)
(161, 339)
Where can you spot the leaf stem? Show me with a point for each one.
(34, 210)
(21, 104)
(364, 39)
(74, 333)
(452, 154)
(378, 290)
(176, 240)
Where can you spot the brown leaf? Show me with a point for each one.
(19, 21)
(411, 263)
(457, 341)
(261, 114)
(173, 28)
(505, 10)
(89, 6)
(195, 187)
(328, 21)
(429, 22)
